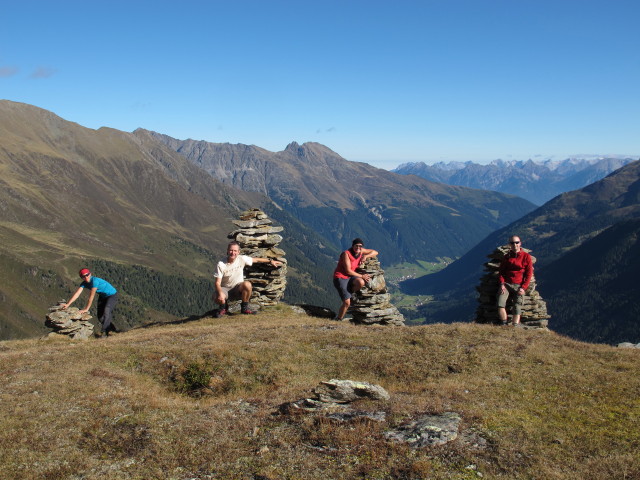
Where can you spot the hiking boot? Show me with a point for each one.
(221, 312)
(110, 331)
(244, 308)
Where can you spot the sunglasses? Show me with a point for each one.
(514, 243)
(85, 275)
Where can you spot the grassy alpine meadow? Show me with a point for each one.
(200, 400)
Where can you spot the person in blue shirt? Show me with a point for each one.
(107, 299)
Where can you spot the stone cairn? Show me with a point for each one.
(257, 238)
(69, 322)
(372, 303)
(534, 308)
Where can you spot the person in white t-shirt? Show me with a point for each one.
(230, 283)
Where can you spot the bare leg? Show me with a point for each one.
(246, 288)
(343, 308)
(357, 284)
(502, 314)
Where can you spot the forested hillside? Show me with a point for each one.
(593, 291)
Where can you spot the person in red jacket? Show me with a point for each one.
(345, 278)
(516, 270)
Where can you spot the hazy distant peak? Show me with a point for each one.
(310, 149)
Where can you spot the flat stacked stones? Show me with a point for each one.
(69, 322)
(257, 238)
(534, 309)
(372, 303)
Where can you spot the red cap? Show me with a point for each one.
(83, 272)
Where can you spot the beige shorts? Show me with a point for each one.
(511, 297)
(233, 293)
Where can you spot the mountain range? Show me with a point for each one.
(149, 213)
(152, 213)
(405, 218)
(586, 246)
(538, 182)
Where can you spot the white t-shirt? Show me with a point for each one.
(232, 273)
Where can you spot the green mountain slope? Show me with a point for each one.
(592, 290)
(403, 217)
(72, 196)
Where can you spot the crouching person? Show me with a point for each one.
(230, 283)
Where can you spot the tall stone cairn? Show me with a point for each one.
(257, 238)
(372, 303)
(69, 322)
(534, 309)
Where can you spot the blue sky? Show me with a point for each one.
(384, 82)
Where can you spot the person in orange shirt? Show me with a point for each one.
(345, 278)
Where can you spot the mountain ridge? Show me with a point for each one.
(538, 182)
(341, 199)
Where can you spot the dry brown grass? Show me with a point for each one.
(130, 406)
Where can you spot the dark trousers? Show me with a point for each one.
(105, 311)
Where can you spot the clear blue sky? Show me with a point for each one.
(383, 82)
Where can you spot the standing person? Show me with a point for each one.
(107, 299)
(230, 283)
(516, 270)
(345, 278)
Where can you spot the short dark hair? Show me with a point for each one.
(357, 241)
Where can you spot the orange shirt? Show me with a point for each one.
(354, 262)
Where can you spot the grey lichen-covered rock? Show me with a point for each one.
(628, 345)
(69, 322)
(534, 309)
(427, 430)
(347, 391)
(372, 304)
(258, 238)
(333, 400)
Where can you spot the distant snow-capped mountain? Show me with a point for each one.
(536, 181)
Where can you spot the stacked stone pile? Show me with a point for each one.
(69, 322)
(257, 238)
(372, 303)
(534, 309)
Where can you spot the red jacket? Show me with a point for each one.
(516, 269)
